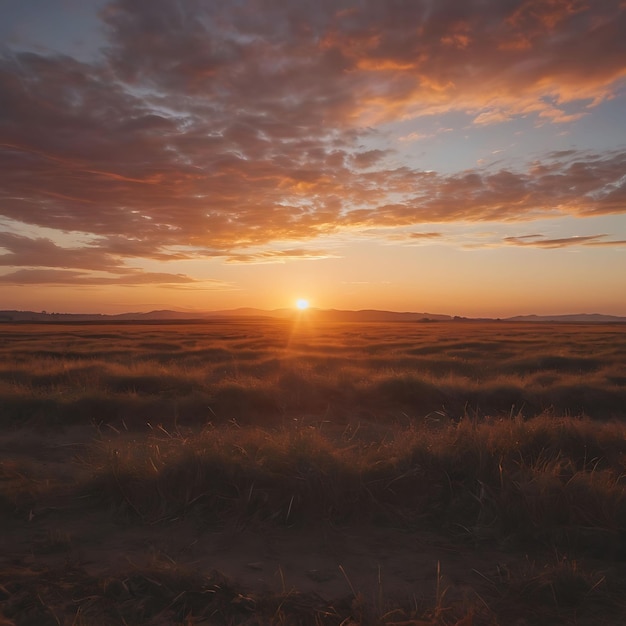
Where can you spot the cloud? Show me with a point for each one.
(413, 137)
(43, 252)
(430, 235)
(369, 158)
(280, 256)
(69, 277)
(408, 237)
(538, 241)
(578, 184)
(215, 128)
(497, 59)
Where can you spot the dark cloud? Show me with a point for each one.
(206, 128)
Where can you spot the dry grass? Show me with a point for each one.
(550, 481)
(166, 594)
(494, 436)
(269, 372)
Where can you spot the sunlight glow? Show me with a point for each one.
(302, 304)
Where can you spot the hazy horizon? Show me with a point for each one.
(293, 311)
(458, 158)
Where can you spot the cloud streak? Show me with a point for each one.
(70, 277)
(281, 256)
(539, 241)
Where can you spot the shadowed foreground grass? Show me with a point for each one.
(166, 594)
(556, 481)
(546, 485)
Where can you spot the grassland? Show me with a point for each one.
(287, 472)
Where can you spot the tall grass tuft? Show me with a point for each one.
(545, 481)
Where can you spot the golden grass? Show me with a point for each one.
(494, 436)
(269, 372)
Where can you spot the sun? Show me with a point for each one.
(302, 304)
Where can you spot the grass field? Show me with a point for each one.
(293, 472)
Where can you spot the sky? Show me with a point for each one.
(465, 158)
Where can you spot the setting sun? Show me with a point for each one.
(302, 304)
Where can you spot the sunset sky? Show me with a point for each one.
(459, 157)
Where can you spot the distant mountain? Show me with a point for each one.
(371, 315)
(578, 317)
(43, 316)
(329, 315)
(164, 314)
(251, 312)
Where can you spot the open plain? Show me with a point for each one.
(297, 471)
